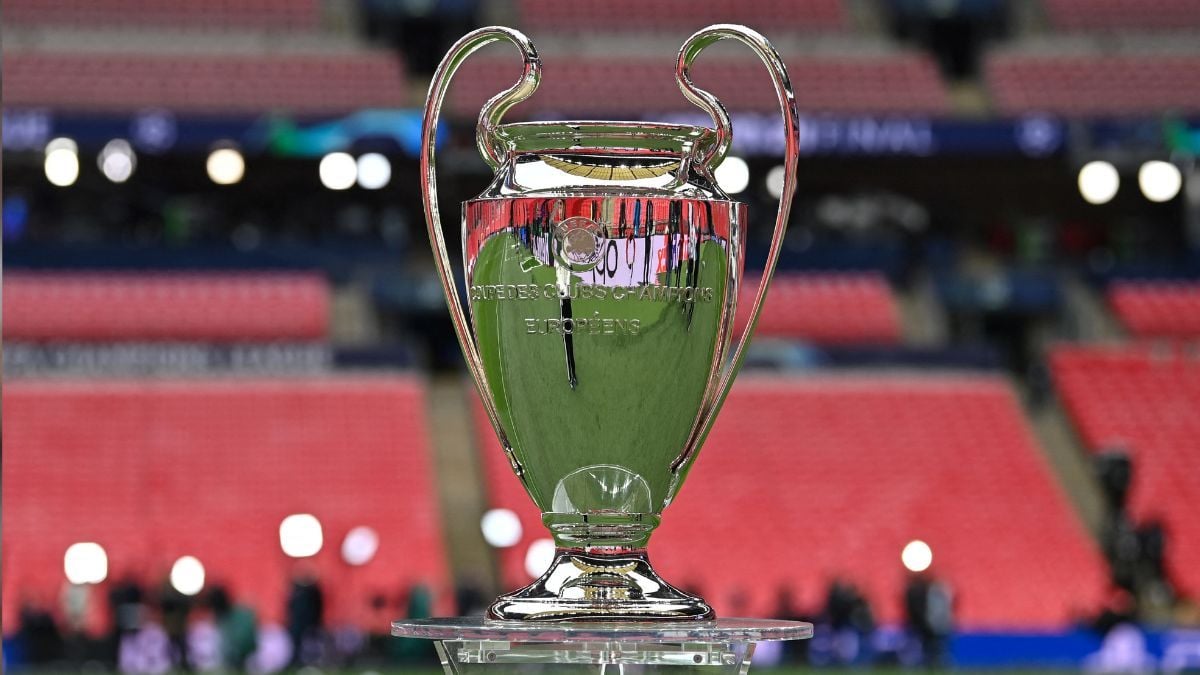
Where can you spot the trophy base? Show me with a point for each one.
(476, 646)
(581, 586)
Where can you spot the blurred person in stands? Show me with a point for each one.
(237, 627)
(929, 614)
(379, 617)
(787, 607)
(470, 599)
(850, 621)
(174, 608)
(305, 615)
(39, 641)
(76, 602)
(418, 604)
(125, 603)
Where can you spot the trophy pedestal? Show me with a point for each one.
(474, 645)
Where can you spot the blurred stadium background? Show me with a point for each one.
(236, 425)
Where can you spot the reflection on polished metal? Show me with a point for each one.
(602, 269)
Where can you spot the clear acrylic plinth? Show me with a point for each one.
(474, 645)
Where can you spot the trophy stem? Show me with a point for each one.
(600, 583)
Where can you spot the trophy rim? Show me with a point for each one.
(608, 136)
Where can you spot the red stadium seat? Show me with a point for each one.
(173, 14)
(1123, 15)
(300, 83)
(156, 469)
(101, 307)
(1158, 310)
(845, 308)
(1147, 401)
(679, 15)
(902, 83)
(1094, 85)
(804, 480)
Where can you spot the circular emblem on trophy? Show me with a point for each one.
(577, 243)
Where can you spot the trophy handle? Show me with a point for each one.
(722, 378)
(492, 149)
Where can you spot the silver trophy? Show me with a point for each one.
(602, 270)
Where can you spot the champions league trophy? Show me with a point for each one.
(602, 270)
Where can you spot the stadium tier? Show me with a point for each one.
(1157, 309)
(246, 307)
(1123, 15)
(680, 15)
(807, 480)
(1145, 401)
(172, 14)
(828, 309)
(899, 83)
(153, 470)
(1094, 85)
(299, 83)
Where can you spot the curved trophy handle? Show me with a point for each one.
(723, 381)
(492, 150)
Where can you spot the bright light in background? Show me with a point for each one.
(916, 556)
(1160, 181)
(538, 557)
(360, 545)
(338, 171)
(501, 528)
(62, 162)
(225, 166)
(733, 175)
(85, 563)
(117, 160)
(300, 535)
(775, 181)
(187, 575)
(1098, 182)
(374, 171)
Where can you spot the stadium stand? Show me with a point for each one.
(156, 469)
(899, 83)
(863, 465)
(177, 14)
(1144, 400)
(1157, 309)
(300, 83)
(1123, 15)
(624, 15)
(85, 307)
(1114, 85)
(825, 308)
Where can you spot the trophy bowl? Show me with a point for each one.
(602, 267)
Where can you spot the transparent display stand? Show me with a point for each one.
(478, 646)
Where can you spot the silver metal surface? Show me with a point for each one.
(602, 268)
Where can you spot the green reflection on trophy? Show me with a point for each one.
(602, 270)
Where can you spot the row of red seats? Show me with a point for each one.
(905, 83)
(153, 470)
(170, 14)
(843, 308)
(1094, 85)
(588, 16)
(248, 307)
(806, 480)
(300, 83)
(1158, 309)
(1145, 401)
(1123, 15)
